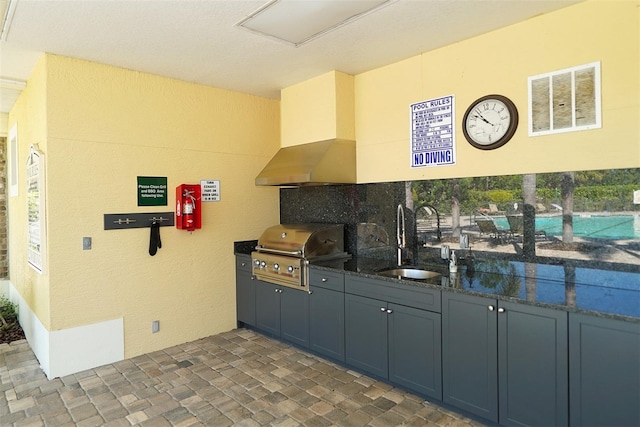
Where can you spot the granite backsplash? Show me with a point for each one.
(369, 213)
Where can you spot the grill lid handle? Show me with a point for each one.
(277, 251)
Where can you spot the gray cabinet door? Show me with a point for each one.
(366, 334)
(245, 297)
(415, 350)
(604, 371)
(532, 365)
(267, 307)
(326, 323)
(470, 354)
(294, 316)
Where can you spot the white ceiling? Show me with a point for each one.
(197, 40)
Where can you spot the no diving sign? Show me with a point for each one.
(433, 132)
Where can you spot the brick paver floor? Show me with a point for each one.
(237, 378)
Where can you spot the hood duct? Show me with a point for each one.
(318, 163)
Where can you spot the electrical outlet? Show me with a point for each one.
(155, 326)
(86, 243)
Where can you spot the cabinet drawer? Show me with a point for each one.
(243, 262)
(326, 279)
(408, 295)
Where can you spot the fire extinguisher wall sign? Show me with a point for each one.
(188, 207)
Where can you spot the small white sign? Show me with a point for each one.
(636, 197)
(433, 132)
(210, 190)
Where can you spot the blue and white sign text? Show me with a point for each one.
(433, 132)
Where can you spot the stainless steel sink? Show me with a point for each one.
(410, 273)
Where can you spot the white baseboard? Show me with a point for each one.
(4, 288)
(71, 350)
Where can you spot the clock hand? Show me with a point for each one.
(479, 116)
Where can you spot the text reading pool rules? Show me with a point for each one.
(432, 132)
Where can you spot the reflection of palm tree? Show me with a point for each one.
(530, 280)
(529, 215)
(510, 284)
(567, 186)
(570, 284)
(455, 207)
(493, 272)
(500, 275)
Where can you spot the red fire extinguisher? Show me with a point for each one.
(188, 214)
(188, 208)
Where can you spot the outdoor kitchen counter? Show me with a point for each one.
(605, 293)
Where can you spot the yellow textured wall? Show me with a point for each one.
(29, 113)
(345, 106)
(106, 127)
(500, 62)
(318, 109)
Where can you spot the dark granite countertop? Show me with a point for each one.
(613, 293)
(244, 247)
(606, 293)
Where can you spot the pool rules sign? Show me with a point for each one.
(433, 132)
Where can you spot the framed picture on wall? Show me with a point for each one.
(36, 232)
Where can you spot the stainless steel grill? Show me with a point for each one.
(285, 250)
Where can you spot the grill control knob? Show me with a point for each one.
(263, 264)
(290, 269)
(276, 266)
(256, 262)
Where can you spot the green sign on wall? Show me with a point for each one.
(152, 191)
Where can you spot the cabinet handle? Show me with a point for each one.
(382, 309)
(491, 308)
(309, 291)
(276, 291)
(389, 311)
(324, 279)
(501, 310)
(253, 277)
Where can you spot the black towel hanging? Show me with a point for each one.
(154, 243)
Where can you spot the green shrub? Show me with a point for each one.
(8, 312)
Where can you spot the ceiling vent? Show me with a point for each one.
(297, 22)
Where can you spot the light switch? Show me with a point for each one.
(86, 243)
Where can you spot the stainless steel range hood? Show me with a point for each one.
(325, 162)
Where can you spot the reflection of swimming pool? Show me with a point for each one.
(591, 289)
(596, 226)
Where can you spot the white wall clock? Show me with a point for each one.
(490, 122)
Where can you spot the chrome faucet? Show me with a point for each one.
(400, 232)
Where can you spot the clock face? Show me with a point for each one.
(490, 122)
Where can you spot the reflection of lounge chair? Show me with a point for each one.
(516, 227)
(487, 226)
(540, 207)
(493, 209)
